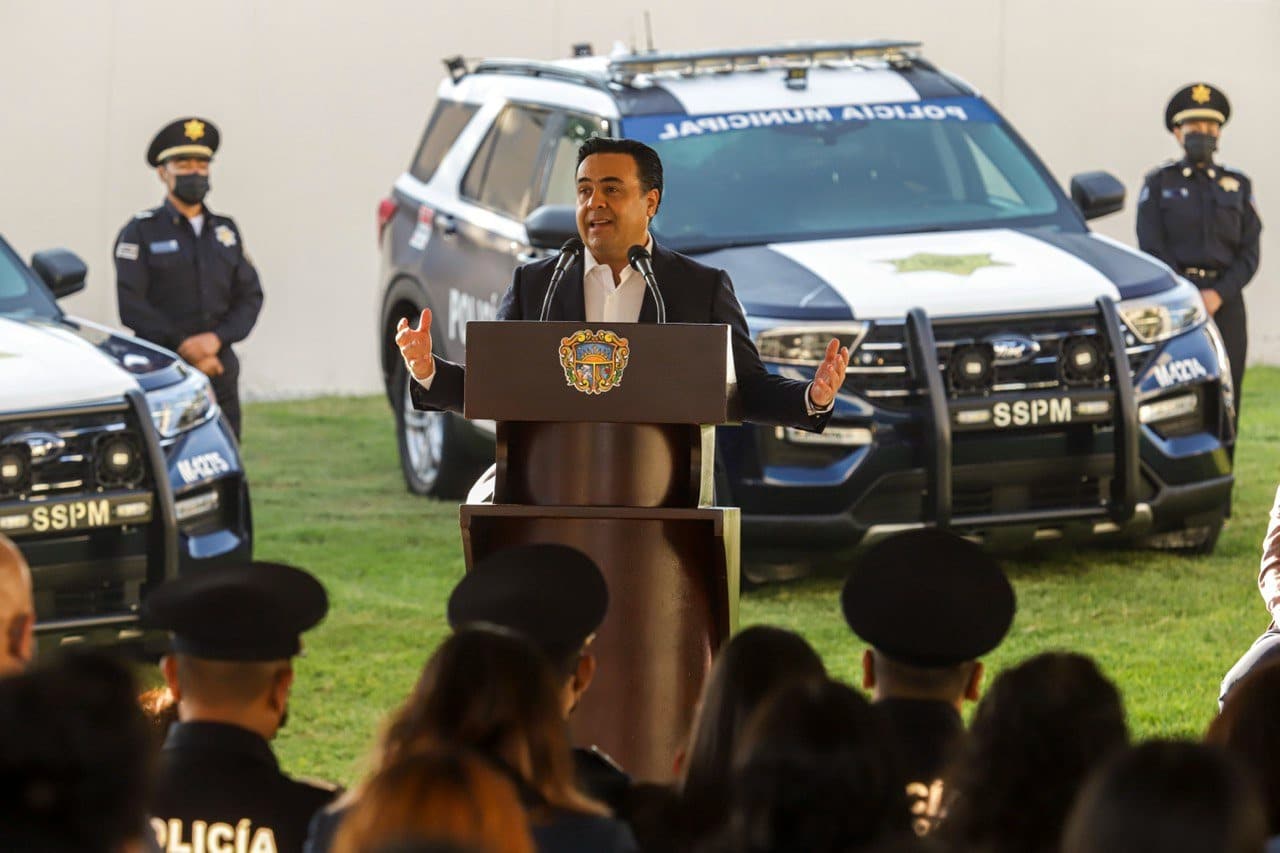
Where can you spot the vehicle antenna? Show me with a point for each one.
(648, 30)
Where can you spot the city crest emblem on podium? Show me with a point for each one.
(593, 362)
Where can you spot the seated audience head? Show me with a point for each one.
(1037, 733)
(815, 772)
(234, 631)
(75, 757)
(1247, 728)
(553, 594)
(440, 795)
(756, 662)
(929, 603)
(1167, 797)
(17, 610)
(491, 690)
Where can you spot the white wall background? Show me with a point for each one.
(321, 103)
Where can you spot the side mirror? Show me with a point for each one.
(550, 225)
(61, 269)
(1097, 193)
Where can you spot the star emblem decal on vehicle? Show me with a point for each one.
(962, 265)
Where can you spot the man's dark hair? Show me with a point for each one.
(944, 683)
(648, 163)
(75, 756)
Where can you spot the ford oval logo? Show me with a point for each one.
(44, 446)
(1012, 349)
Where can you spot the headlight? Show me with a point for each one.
(1165, 315)
(807, 344)
(180, 407)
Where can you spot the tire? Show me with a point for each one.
(1197, 539)
(433, 458)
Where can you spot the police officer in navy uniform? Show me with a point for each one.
(556, 596)
(1199, 217)
(929, 604)
(234, 632)
(183, 278)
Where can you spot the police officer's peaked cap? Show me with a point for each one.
(552, 594)
(186, 137)
(250, 612)
(1197, 101)
(928, 598)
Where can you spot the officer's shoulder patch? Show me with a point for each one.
(145, 214)
(127, 251)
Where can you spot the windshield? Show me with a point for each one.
(818, 172)
(22, 295)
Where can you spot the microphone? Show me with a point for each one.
(642, 262)
(568, 254)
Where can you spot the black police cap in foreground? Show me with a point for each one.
(250, 612)
(552, 594)
(186, 137)
(1197, 101)
(928, 598)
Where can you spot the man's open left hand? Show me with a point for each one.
(830, 375)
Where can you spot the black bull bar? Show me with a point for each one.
(922, 353)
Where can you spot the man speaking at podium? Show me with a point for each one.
(618, 193)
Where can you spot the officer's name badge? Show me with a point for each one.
(225, 235)
(593, 362)
(1229, 184)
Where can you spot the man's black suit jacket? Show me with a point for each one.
(693, 293)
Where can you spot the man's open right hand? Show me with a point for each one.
(415, 346)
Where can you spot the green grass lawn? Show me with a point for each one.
(327, 495)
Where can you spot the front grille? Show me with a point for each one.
(72, 454)
(880, 367)
(109, 597)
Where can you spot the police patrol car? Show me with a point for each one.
(1013, 375)
(117, 470)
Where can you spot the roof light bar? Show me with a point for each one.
(624, 69)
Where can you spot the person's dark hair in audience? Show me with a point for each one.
(814, 773)
(1168, 797)
(442, 795)
(556, 596)
(415, 846)
(493, 691)
(75, 757)
(754, 663)
(1247, 728)
(1038, 732)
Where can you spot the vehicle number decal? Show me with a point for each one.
(203, 467)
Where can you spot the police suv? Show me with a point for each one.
(117, 470)
(1013, 375)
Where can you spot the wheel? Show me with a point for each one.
(433, 459)
(1198, 538)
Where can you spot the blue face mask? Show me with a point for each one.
(191, 188)
(1200, 147)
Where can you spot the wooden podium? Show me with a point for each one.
(624, 474)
